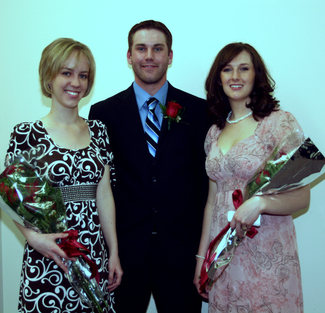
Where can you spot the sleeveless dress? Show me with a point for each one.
(264, 274)
(44, 287)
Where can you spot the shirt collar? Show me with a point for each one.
(142, 96)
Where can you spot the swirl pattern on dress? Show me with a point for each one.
(44, 288)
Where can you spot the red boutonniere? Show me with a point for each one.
(173, 112)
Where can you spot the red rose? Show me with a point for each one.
(12, 196)
(3, 188)
(172, 109)
(264, 173)
(9, 170)
(33, 188)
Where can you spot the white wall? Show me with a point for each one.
(288, 34)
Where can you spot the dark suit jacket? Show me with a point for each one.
(168, 192)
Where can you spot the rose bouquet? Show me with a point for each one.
(283, 171)
(222, 247)
(32, 201)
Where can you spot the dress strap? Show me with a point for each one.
(77, 193)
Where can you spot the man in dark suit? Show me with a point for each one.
(161, 187)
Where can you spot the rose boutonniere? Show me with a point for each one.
(173, 112)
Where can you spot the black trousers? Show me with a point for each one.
(172, 289)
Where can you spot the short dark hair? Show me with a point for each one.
(262, 100)
(151, 24)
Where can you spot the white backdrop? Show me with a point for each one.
(288, 34)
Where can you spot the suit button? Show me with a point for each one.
(153, 179)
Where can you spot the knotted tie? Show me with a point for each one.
(152, 127)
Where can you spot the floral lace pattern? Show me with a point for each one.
(264, 275)
(44, 288)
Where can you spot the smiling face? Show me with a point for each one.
(237, 78)
(71, 83)
(149, 58)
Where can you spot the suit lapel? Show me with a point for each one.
(166, 134)
(129, 115)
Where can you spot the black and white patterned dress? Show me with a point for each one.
(44, 288)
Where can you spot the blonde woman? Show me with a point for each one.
(78, 160)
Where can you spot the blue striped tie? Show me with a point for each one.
(152, 127)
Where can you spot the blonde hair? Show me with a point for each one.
(53, 60)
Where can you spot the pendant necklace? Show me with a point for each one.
(239, 119)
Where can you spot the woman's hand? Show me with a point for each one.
(204, 242)
(275, 204)
(46, 245)
(196, 280)
(246, 215)
(115, 273)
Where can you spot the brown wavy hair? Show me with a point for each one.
(262, 100)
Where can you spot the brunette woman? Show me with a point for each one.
(264, 274)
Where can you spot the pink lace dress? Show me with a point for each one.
(264, 274)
